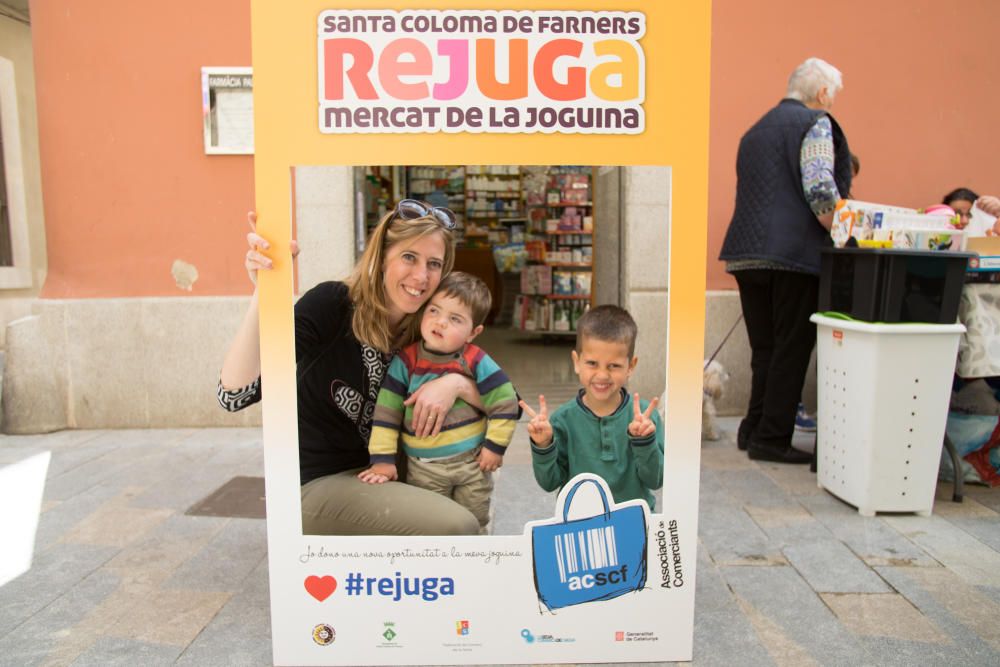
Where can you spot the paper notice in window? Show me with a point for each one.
(234, 118)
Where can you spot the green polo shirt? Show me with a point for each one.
(584, 442)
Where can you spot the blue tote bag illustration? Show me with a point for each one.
(595, 558)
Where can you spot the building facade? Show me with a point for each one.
(111, 191)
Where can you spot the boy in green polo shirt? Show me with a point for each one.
(604, 430)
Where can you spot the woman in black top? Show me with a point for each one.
(345, 333)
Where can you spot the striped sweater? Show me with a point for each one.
(465, 427)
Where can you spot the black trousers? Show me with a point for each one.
(776, 309)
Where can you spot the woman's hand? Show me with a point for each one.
(433, 400)
(241, 365)
(989, 204)
(379, 473)
(255, 259)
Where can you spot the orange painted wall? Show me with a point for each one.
(126, 184)
(128, 189)
(920, 102)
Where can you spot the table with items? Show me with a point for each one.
(973, 428)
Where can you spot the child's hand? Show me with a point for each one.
(642, 426)
(379, 473)
(489, 461)
(539, 427)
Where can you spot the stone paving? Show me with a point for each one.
(787, 574)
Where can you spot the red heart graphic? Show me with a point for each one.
(321, 587)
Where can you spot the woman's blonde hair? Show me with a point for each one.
(366, 284)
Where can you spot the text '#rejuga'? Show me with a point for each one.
(397, 587)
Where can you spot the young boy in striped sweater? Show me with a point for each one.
(459, 460)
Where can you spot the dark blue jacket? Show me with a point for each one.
(772, 220)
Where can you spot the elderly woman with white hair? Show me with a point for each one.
(792, 167)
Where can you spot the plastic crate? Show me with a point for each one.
(892, 285)
(883, 392)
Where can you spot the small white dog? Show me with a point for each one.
(713, 383)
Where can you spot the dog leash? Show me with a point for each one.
(731, 330)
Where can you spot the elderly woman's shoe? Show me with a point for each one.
(788, 454)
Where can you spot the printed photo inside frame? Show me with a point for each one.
(552, 90)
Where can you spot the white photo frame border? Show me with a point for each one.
(676, 50)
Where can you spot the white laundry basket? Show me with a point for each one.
(882, 406)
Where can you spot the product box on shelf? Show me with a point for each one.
(561, 316)
(541, 314)
(562, 282)
(571, 220)
(536, 250)
(528, 319)
(558, 256)
(510, 257)
(517, 317)
(531, 313)
(570, 223)
(536, 279)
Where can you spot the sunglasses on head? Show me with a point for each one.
(411, 209)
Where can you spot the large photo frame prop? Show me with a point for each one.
(600, 580)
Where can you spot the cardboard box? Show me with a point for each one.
(862, 220)
(984, 245)
(988, 249)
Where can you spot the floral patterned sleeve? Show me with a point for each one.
(816, 160)
(234, 400)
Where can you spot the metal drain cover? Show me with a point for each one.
(240, 497)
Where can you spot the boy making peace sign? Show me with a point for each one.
(604, 430)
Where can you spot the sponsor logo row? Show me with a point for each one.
(389, 636)
(324, 633)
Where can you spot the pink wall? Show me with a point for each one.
(920, 101)
(127, 186)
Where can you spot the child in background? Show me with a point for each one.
(458, 461)
(603, 430)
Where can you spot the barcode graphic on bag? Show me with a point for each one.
(584, 550)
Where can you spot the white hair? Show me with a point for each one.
(810, 77)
